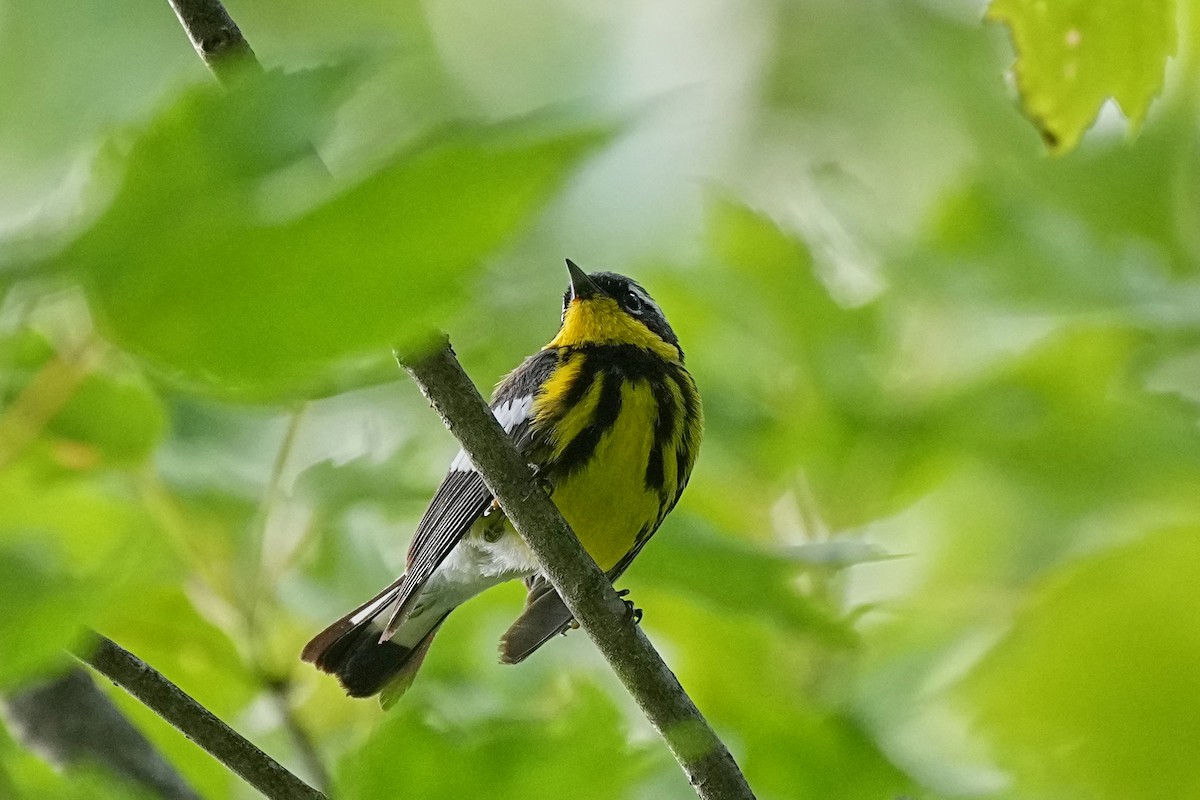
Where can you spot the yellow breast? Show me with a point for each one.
(606, 500)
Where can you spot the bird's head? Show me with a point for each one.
(605, 308)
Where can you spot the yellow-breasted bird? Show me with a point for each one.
(610, 418)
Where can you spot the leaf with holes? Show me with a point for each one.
(1073, 55)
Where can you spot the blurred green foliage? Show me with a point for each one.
(939, 540)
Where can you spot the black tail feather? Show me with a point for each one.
(330, 645)
(354, 652)
(366, 666)
(363, 664)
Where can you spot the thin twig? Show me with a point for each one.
(306, 749)
(583, 587)
(216, 37)
(46, 394)
(262, 575)
(195, 721)
(581, 584)
(259, 574)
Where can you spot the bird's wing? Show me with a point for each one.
(463, 498)
(459, 501)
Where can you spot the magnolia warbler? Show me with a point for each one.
(610, 419)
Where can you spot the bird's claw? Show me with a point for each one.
(541, 481)
(631, 611)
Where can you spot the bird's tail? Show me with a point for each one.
(545, 616)
(354, 650)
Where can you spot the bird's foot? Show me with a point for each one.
(541, 481)
(631, 611)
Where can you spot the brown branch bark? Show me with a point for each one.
(195, 721)
(581, 584)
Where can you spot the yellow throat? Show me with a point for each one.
(598, 320)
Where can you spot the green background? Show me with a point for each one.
(942, 537)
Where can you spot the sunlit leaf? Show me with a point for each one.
(914, 335)
(1075, 54)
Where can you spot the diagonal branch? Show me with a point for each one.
(195, 721)
(583, 587)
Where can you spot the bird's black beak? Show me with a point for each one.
(582, 286)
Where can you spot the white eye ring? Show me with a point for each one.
(634, 303)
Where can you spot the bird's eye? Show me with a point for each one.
(633, 303)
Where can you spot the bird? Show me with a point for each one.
(610, 420)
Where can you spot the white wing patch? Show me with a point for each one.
(509, 415)
(372, 608)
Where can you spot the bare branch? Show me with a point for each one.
(306, 749)
(216, 37)
(581, 584)
(196, 722)
(583, 587)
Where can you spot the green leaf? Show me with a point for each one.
(189, 649)
(739, 579)
(1099, 670)
(74, 551)
(578, 751)
(121, 417)
(255, 276)
(65, 76)
(39, 598)
(110, 418)
(756, 688)
(1072, 55)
